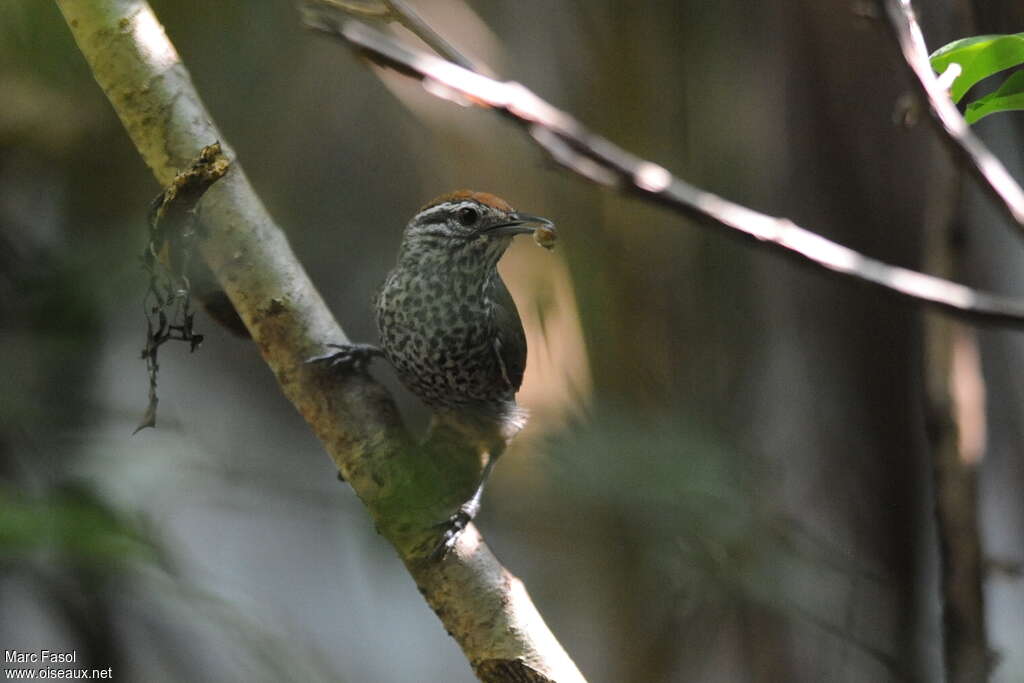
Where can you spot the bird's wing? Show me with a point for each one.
(510, 339)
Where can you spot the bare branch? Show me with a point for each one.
(329, 12)
(990, 172)
(484, 607)
(601, 161)
(367, 9)
(408, 18)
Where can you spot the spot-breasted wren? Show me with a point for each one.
(450, 328)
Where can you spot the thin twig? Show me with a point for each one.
(407, 17)
(599, 160)
(317, 11)
(368, 9)
(990, 172)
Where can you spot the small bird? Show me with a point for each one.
(449, 326)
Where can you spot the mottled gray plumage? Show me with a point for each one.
(446, 319)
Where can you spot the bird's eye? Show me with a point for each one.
(467, 217)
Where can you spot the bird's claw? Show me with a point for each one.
(453, 527)
(348, 356)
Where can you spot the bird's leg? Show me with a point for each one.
(348, 356)
(455, 524)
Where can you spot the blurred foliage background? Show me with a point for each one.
(726, 477)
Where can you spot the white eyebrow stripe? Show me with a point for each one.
(431, 214)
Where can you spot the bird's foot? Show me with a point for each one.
(452, 528)
(348, 356)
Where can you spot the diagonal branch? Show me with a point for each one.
(399, 11)
(990, 172)
(570, 144)
(484, 607)
(407, 17)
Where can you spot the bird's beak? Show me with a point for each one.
(520, 224)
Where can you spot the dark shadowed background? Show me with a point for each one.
(726, 475)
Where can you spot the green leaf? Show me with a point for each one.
(979, 57)
(73, 525)
(1009, 97)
